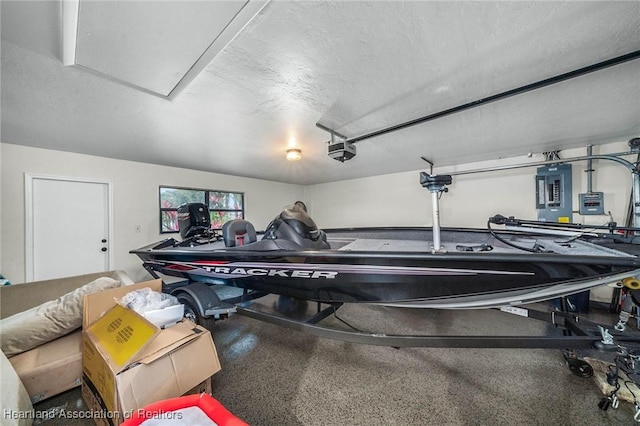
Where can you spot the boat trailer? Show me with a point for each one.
(577, 331)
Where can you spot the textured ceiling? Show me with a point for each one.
(152, 48)
(355, 67)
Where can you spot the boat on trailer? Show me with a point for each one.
(400, 267)
(507, 269)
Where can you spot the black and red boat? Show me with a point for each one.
(402, 267)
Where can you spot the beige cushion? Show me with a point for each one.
(41, 324)
(13, 397)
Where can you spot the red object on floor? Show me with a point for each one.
(210, 406)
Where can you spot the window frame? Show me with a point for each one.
(207, 197)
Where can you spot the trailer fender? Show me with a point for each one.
(203, 296)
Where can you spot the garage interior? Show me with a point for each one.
(212, 95)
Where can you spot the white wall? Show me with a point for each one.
(1, 211)
(135, 195)
(398, 199)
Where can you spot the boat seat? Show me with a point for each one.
(238, 232)
(296, 226)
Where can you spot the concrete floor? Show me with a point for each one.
(274, 376)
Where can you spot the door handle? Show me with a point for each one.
(103, 249)
(104, 240)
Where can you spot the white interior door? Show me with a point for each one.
(68, 227)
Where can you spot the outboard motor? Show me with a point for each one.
(296, 225)
(193, 220)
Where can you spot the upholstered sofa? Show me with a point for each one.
(54, 365)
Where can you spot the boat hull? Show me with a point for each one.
(404, 278)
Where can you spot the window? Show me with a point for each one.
(223, 206)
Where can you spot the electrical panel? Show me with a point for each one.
(554, 193)
(591, 203)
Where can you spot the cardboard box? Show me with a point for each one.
(202, 387)
(128, 362)
(51, 368)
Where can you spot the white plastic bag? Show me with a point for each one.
(145, 300)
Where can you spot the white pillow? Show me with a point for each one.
(41, 324)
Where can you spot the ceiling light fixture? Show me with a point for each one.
(294, 154)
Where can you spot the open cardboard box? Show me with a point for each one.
(128, 362)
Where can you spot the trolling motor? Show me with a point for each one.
(436, 185)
